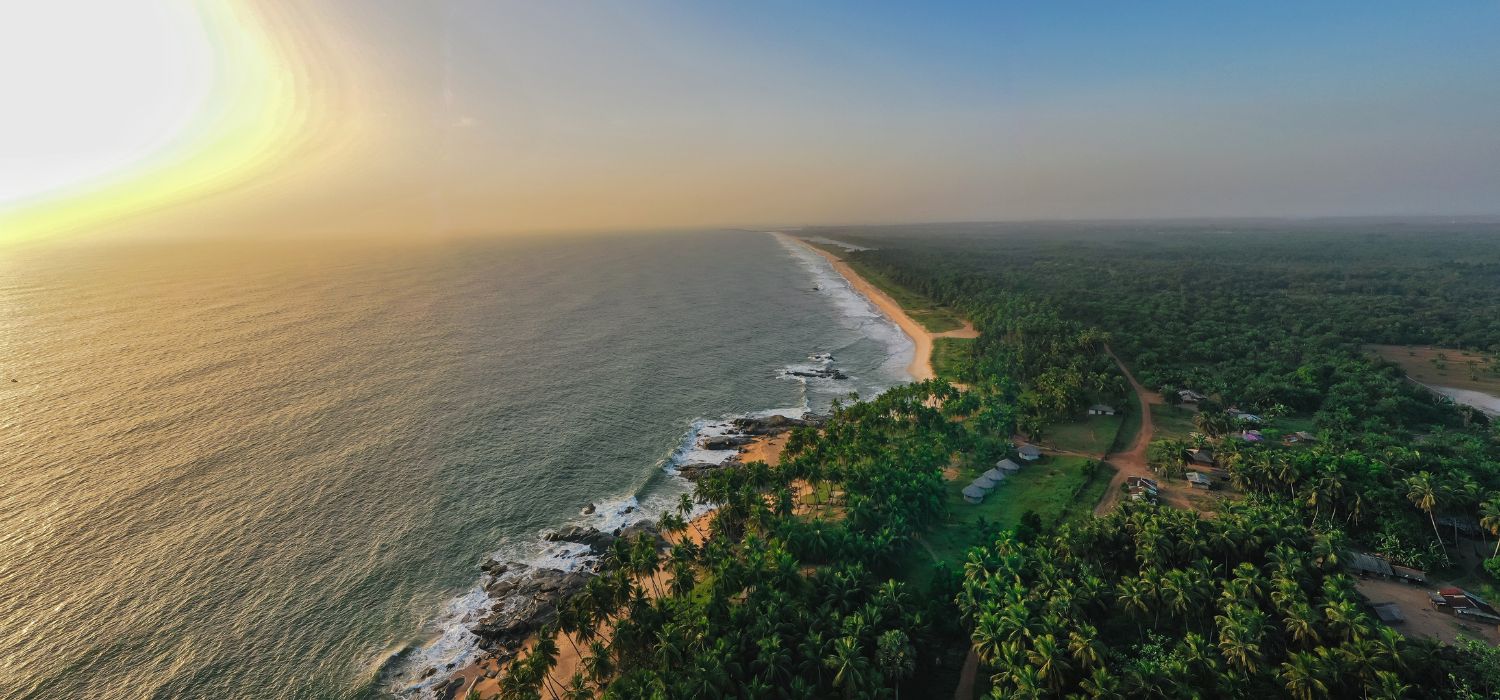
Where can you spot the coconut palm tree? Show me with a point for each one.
(1489, 518)
(1422, 491)
(1300, 674)
(849, 665)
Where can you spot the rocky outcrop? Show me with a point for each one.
(725, 442)
(598, 541)
(775, 424)
(525, 603)
(820, 373)
(698, 470)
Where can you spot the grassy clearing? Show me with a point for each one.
(1171, 421)
(1057, 488)
(930, 314)
(951, 357)
(1130, 427)
(1458, 369)
(1092, 435)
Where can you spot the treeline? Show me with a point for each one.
(1273, 320)
(799, 588)
(1149, 602)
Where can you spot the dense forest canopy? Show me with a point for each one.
(782, 602)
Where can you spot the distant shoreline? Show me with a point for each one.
(920, 367)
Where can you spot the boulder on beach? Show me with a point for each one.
(524, 604)
(588, 509)
(597, 540)
(772, 424)
(725, 442)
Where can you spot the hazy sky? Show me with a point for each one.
(393, 116)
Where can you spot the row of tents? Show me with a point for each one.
(984, 483)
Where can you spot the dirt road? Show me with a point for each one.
(1131, 462)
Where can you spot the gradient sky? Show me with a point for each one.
(398, 117)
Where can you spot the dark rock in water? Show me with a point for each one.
(814, 420)
(526, 603)
(698, 470)
(428, 673)
(596, 540)
(726, 442)
(820, 373)
(628, 510)
(588, 509)
(643, 528)
(774, 424)
(495, 567)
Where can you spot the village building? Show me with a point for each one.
(973, 494)
(1202, 456)
(1029, 453)
(985, 482)
(1242, 417)
(1366, 565)
(1009, 466)
(1190, 396)
(1199, 480)
(995, 475)
(1100, 409)
(1461, 603)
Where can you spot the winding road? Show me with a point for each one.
(1131, 462)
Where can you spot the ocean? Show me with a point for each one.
(271, 469)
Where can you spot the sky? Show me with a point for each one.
(395, 117)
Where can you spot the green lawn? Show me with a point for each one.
(930, 314)
(950, 357)
(1172, 421)
(1131, 427)
(1057, 488)
(1092, 435)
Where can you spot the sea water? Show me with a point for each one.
(271, 469)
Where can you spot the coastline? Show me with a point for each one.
(920, 367)
(483, 673)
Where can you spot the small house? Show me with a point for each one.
(1389, 613)
(1202, 456)
(995, 475)
(1461, 603)
(1242, 417)
(973, 494)
(1008, 466)
(1100, 409)
(1199, 480)
(1029, 453)
(1366, 565)
(985, 482)
(1190, 396)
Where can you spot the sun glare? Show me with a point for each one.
(95, 89)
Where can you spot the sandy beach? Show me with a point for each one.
(920, 368)
(483, 674)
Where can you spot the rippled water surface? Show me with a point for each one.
(270, 470)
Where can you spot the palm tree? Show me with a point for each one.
(1302, 624)
(1300, 674)
(1489, 519)
(1083, 644)
(1422, 492)
(1049, 659)
(848, 664)
(894, 652)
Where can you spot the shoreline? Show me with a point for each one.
(922, 339)
(483, 673)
